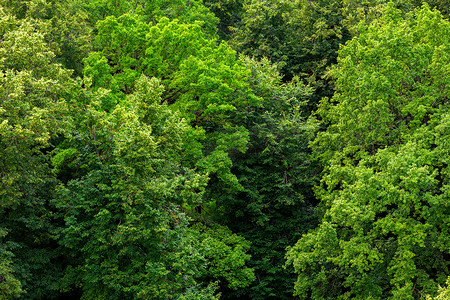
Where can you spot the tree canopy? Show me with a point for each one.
(384, 190)
(232, 149)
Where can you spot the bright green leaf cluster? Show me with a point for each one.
(385, 187)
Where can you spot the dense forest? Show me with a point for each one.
(232, 149)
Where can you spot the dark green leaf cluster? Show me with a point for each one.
(277, 174)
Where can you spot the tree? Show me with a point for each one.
(302, 37)
(34, 93)
(64, 25)
(185, 11)
(444, 293)
(276, 173)
(384, 190)
(126, 233)
(96, 186)
(203, 81)
(229, 13)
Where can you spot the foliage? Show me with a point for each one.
(64, 25)
(301, 36)
(277, 177)
(34, 94)
(384, 229)
(186, 12)
(202, 80)
(229, 13)
(121, 187)
(124, 219)
(278, 142)
(142, 157)
(227, 255)
(444, 293)
(10, 286)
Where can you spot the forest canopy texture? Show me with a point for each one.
(232, 149)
